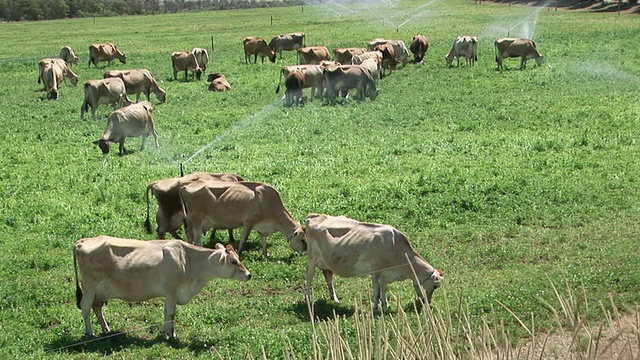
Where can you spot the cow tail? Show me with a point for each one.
(78, 289)
(279, 81)
(147, 222)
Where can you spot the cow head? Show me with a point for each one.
(230, 263)
(430, 284)
(297, 241)
(272, 56)
(103, 144)
(539, 60)
(198, 73)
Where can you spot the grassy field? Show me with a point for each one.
(508, 180)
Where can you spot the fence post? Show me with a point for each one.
(212, 44)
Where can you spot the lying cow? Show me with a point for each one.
(105, 52)
(313, 54)
(463, 46)
(345, 77)
(218, 82)
(202, 55)
(170, 216)
(184, 61)
(344, 55)
(346, 247)
(138, 81)
(419, 46)
(105, 91)
(290, 42)
(134, 271)
(230, 205)
(130, 121)
(525, 49)
(67, 54)
(257, 47)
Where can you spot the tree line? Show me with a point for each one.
(28, 10)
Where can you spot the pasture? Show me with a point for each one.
(508, 180)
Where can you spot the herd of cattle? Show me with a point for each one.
(134, 270)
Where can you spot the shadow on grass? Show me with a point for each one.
(107, 344)
(323, 310)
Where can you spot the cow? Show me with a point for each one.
(105, 52)
(525, 49)
(313, 77)
(134, 271)
(290, 42)
(373, 44)
(393, 52)
(359, 59)
(347, 247)
(463, 46)
(373, 66)
(294, 83)
(130, 121)
(345, 77)
(230, 205)
(419, 46)
(257, 46)
(138, 81)
(51, 76)
(313, 54)
(202, 55)
(184, 61)
(218, 82)
(62, 67)
(67, 54)
(170, 216)
(104, 91)
(344, 55)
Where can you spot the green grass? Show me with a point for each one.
(499, 178)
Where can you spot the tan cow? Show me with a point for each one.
(51, 75)
(230, 205)
(294, 83)
(290, 42)
(419, 46)
(170, 216)
(463, 46)
(346, 247)
(138, 81)
(104, 91)
(344, 55)
(257, 47)
(67, 54)
(393, 52)
(525, 49)
(130, 121)
(218, 82)
(340, 79)
(313, 54)
(134, 271)
(359, 59)
(184, 61)
(373, 44)
(61, 67)
(202, 55)
(105, 52)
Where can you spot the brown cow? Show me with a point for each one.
(290, 42)
(345, 77)
(138, 81)
(105, 52)
(104, 91)
(344, 55)
(218, 82)
(313, 77)
(294, 83)
(419, 46)
(313, 54)
(463, 46)
(170, 216)
(525, 49)
(184, 61)
(130, 121)
(67, 54)
(348, 248)
(230, 205)
(257, 46)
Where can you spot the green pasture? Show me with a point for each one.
(507, 180)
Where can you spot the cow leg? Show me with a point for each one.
(185, 75)
(97, 309)
(246, 230)
(194, 231)
(263, 243)
(143, 140)
(122, 149)
(375, 284)
(255, 58)
(311, 268)
(328, 278)
(523, 62)
(383, 293)
(86, 303)
(169, 317)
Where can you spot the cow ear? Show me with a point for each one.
(229, 249)
(440, 272)
(96, 142)
(219, 246)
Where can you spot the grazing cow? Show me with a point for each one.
(184, 61)
(51, 76)
(202, 55)
(257, 46)
(393, 52)
(134, 271)
(61, 66)
(313, 77)
(373, 44)
(104, 91)
(525, 49)
(230, 205)
(290, 42)
(138, 81)
(105, 52)
(359, 59)
(313, 54)
(218, 82)
(170, 215)
(294, 83)
(463, 46)
(67, 54)
(346, 247)
(345, 77)
(374, 68)
(130, 121)
(419, 46)
(344, 55)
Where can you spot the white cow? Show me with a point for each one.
(463, 46)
